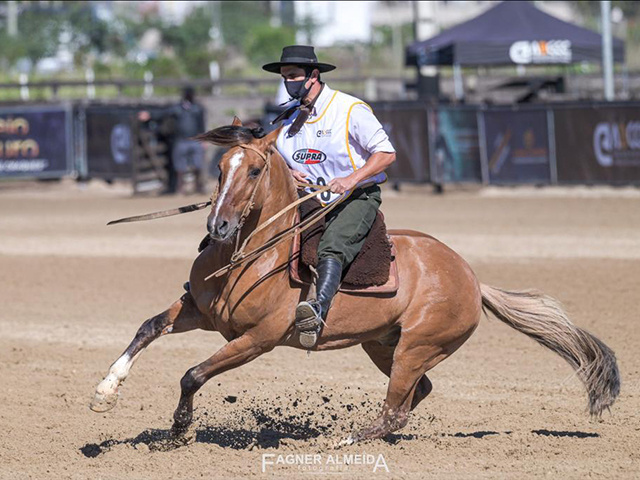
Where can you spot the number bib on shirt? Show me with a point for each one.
(322, 148)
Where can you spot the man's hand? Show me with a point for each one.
(342, 184)
(299, 177)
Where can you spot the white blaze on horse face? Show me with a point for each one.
(234, 163)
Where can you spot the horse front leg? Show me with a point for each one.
(182, 316)
(234, 354)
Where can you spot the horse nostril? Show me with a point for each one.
(223, 227)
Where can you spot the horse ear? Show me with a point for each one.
(271, 137)
(236, 122)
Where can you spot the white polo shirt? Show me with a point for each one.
(338, 138)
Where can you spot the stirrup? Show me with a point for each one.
(308, 339)
(308, 316)
(308, 323)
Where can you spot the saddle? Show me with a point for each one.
(374, 269)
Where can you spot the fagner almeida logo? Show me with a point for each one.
(317, 462)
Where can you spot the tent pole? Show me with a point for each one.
(607, 49)
(458, 85)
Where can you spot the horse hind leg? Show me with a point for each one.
(382, 356)
(412, 358)
(409, 363)
(181, 316)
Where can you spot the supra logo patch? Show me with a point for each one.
(309, 156)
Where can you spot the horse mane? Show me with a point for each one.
(234, 135)
(231, 135)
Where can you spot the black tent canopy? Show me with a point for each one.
(512, 33)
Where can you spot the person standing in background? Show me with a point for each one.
(186, 153)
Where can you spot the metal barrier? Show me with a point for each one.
(406, 125)
(82, 141)
(253, 87)
(36, 142)
(597, 144)
(559, 143)
(454, 146)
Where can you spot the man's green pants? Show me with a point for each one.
(348, 224)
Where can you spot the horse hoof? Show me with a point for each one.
(179, 429)
(103, 403)
(183, 434)
(177, 438)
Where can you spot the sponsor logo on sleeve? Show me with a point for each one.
(309, 156)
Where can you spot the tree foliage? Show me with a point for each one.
(239, 19)
(592, 9)
(38, 33)
(265, 43)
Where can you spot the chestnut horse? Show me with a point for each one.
(436, 309)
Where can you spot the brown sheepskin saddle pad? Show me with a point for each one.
(374, 269)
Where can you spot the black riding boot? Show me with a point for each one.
(311, 314)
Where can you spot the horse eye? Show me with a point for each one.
(254, 173)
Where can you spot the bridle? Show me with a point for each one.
(246, 211)
(239, 256)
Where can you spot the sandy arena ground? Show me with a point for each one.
(73, 292)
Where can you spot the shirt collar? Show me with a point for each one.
(323, 100)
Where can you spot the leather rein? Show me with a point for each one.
(239, 255)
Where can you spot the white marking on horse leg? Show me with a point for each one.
(234, 163)
(118, 372)
(106, 395)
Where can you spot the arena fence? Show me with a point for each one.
(36, 141)
(84, 141)
(556, 143)
(114, 145)
(559, 143)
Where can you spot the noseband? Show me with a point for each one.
(250, 204)
(239, 256)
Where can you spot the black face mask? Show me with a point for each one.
(296, 89)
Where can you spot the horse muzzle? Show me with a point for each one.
(222, 229)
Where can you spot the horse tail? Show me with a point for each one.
(543, 319)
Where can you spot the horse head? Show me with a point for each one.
(250, 170)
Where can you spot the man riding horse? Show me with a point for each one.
(331, 138)
(436, 308)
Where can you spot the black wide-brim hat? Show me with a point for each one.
(299, 55)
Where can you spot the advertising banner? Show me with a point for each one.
(598, 144)
(35, 142)
(455, 145)
(406, 125)
(517, 146)
(109, 141)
